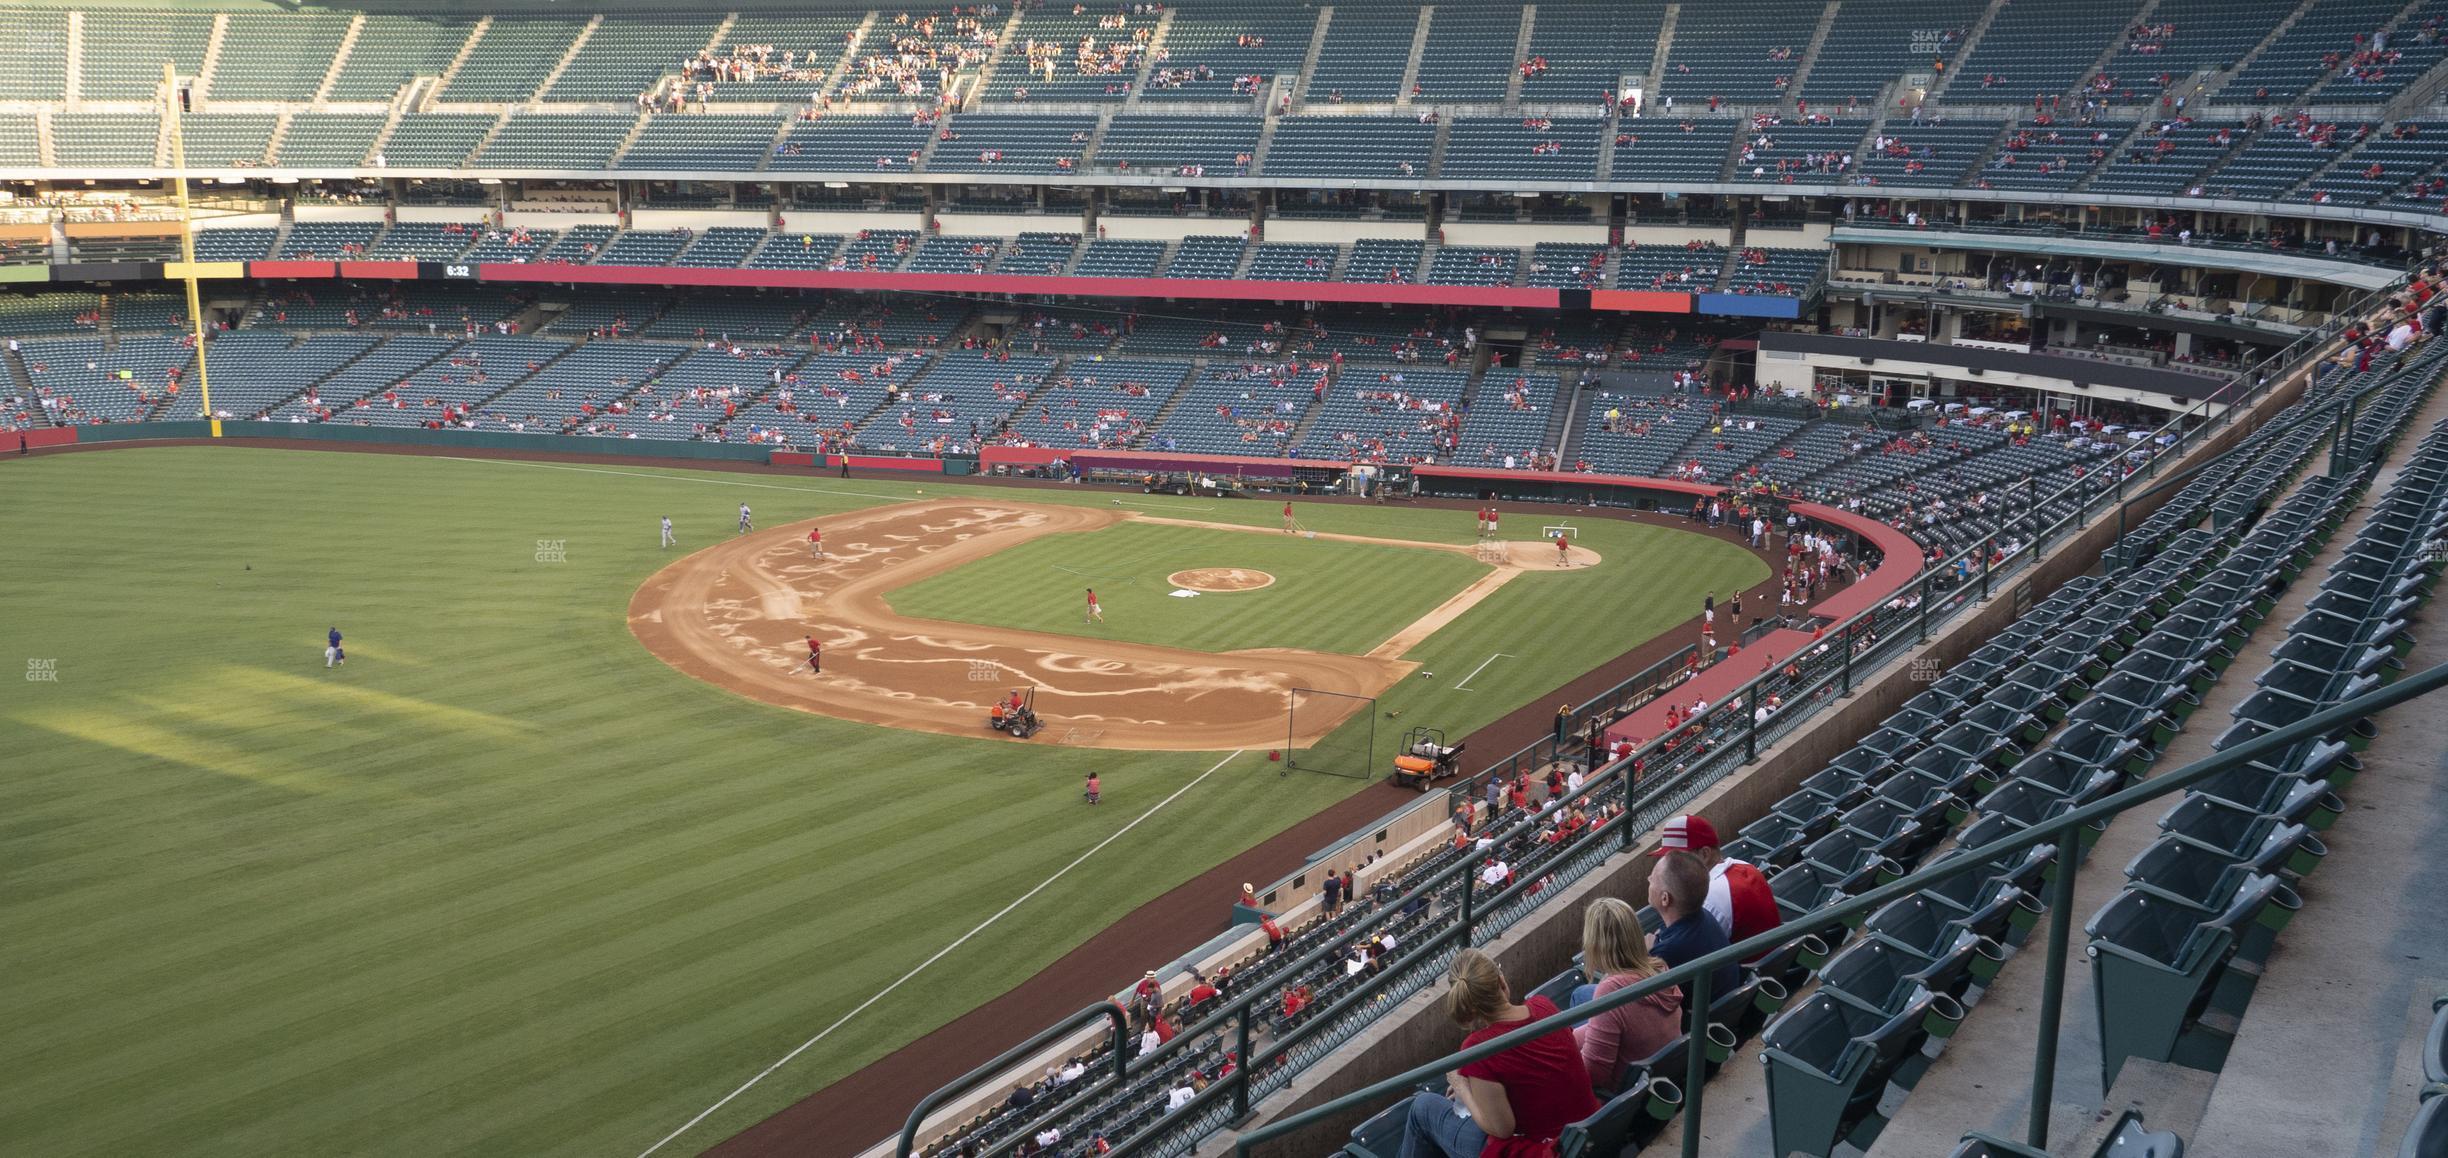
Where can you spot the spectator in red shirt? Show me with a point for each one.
(1738, 897)
(1512, 1105)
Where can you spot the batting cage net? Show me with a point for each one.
(1334, 733)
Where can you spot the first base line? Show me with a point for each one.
(1464, 686)
(940, 954)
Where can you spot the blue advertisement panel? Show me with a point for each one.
(1747, 305)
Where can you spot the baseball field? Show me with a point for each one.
(571, 847)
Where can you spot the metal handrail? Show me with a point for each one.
(1005, 1060)
(2062, 830)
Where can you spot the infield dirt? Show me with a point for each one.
(738, 614)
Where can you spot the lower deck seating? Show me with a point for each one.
(1388, 414)
(444, 392)
(1508, 418)
(1094, 402)
(961, 402)
(254, 371)
(1243, 408)
(83, 381)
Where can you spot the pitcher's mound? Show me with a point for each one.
(1220, 580)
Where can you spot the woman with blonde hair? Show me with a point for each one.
(1615, 953)
(1514, 1104)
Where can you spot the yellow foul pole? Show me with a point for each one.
(178, 179)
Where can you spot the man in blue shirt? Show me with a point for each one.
(331, 651)
(1678, 890)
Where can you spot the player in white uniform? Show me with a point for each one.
(744, 528)
(667, 535)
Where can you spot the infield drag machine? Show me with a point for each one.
(1425, 758)
(1015, 714)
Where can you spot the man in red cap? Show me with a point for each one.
(1738, 896)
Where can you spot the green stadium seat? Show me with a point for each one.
(1933, 800)
(2181, 870)
(2236, 829)
(1828, 1062)
(2155, 962)
(2019, 804)
(2435, 1046)
(2076, 780)
(2106, 749)
(1887, 829)
(1626, 1122)
(2001, 906)
(1851, 861)
(1882, 974)
(1382, 1135)
(2427, 1135)
(1990, 736)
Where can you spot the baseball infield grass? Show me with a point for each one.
(504, 883)
(1327, 595)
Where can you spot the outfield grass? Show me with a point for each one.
(1328, 595)
(506, 883)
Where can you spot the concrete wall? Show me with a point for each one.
(241, 221)
(699, 218)
(554, 218)
(1337, 231)
(956, 224)
(1812, 235)
(459, 213)
(1677, 235)
(1121, 226)
(1519, 235)
(340, 213)
(847, 222)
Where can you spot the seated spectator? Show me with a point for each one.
(1516, 1102)
(1738, 896)
(1613, 951)
(1678, 890)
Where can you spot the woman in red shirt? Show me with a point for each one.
(1512, 1105)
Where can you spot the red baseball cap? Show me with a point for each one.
(1684, 833)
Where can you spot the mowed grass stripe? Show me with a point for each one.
(454, 1047)
(621, 789)
(593, 810)
(524, 893)
(633, 922)
(465, 900)
(448, 884)
(1328, 595)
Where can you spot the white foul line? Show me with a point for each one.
(939, 955)
(1464, 686)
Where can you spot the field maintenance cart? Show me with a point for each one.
(1015, 714)
(1425, 758)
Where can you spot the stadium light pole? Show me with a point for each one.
(195, 293)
